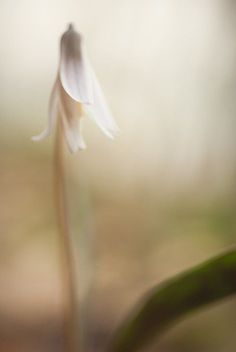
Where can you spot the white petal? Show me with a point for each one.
(74, 71)
(100, 112)
(52, 113)
(71, 114)
(73, 134)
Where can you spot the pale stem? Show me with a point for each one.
(66, 246)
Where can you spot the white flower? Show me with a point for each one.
(76, 92)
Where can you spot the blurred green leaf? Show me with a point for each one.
(207, 283)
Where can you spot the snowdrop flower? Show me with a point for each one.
(76, 92)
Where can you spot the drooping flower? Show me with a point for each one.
(76, 92)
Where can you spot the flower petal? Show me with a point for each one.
(74, 71)
(71, 114)
(73, 134)
(52, 113)
(99, 110)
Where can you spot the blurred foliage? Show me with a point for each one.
(202, 285)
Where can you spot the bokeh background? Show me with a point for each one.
(157, 200)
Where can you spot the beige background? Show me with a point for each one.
(158, 199)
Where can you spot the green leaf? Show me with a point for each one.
(204, 284)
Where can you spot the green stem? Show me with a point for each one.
(201, 285)
(66, 246)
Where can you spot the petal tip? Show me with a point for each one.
(40, 137)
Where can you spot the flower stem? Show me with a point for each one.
(66, 246)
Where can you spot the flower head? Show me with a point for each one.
(76, 92)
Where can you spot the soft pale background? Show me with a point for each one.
(157, 200)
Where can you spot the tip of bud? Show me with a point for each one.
(70, 27)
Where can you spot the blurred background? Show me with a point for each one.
(154, 202)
